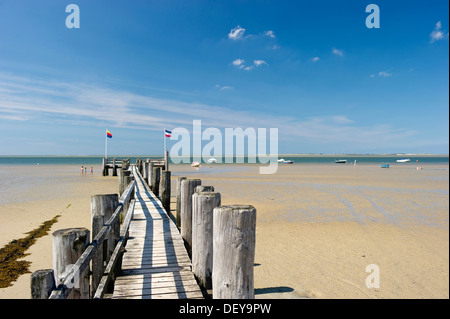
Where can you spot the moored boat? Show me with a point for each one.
(341, 161)
(403, 160)
(384, 165)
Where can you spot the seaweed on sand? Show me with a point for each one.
(10, 267)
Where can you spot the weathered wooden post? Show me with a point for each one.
(155, 180)
(204, 188)
(139, 165)
(150, 174)
(126, 164)
(187, 190)
(164, 190)
(127, 180)
(203, 204)
(178, 211)
(105, 167)
(123, 180)
(234, 252)
(102, 208)
(42, 283)
(114, 170)
(145, 171)
(68, 245)
(166, 160)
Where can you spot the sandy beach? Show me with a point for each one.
(318, 226)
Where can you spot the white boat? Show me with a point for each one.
(283, 161)
(195, 164)
(212, 160)
(341, 161)
(403, 160)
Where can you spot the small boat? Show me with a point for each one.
(341, 161)
(212, 160)
(384, 165)
(195, 164)
(283, 161)
(403, 160)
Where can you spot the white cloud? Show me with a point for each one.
(238, 62)
(315, 59)
(384, 74)
(341, 119)
(236, 33)
(223, 88)
(338, 52)
(93, 105)
(259, 62)
(437, 33)
(270, 34)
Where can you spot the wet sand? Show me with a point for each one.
(318, 226)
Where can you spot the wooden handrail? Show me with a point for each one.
(66, 285)
(116, 253)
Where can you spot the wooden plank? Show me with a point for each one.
(155, 263)
(178, 289)
(187, 295)
(154, 278)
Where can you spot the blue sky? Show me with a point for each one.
(312, 69)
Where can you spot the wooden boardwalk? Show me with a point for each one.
(155, 264)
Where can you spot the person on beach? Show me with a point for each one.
(82, 170)
(92, 170)
(85, 168)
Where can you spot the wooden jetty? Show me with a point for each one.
(135, 250)
(114, 164)
(155, 264)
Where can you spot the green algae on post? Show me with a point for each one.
(10, 267)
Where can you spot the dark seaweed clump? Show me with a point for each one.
(10, 267)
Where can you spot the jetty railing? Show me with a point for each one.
(220, 240)
(115, 164)
(71, 278)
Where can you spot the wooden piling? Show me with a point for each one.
(126, 164)
(105, 167)
(145, 171)
(187, 190)
(203, 204)
(102, 208)
(166, 160)
(164, 190)
(68, 245)
(234, 252)
(178, 210)
(114, 169)
(155, 180)
(42, 283)
(150, 175)
(204, 188)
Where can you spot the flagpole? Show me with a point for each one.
(164, 153)
(106, 144)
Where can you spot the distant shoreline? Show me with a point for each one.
(279, 155)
